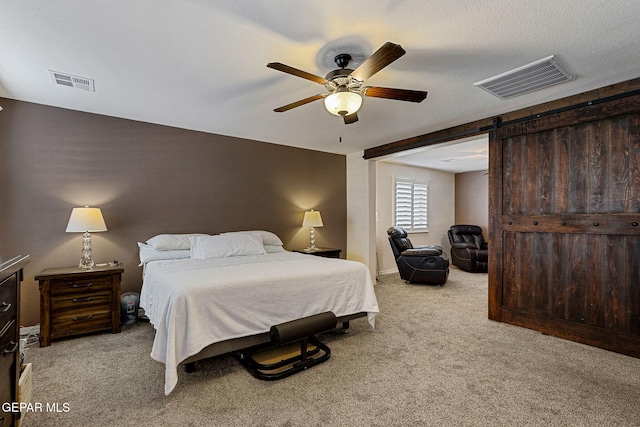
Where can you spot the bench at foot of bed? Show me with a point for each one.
(237, 344)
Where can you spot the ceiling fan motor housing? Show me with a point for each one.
(342, 78)
(342, 60)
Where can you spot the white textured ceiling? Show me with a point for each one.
(201, 64)
(467, 155)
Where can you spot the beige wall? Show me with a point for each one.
(441, 206)
(472, 200)
(361, 197)
(149, 179)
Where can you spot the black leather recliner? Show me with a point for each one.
(469, 251)
(423, 264)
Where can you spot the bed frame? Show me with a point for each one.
(236, 344)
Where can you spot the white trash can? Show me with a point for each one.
(129, 303)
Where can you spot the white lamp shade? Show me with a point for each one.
(312, 219)
(86, 219)
(343, 103)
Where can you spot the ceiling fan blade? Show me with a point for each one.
(382, 57)
(299, 73)
(299, 103)
(390, 93)
(351, 118)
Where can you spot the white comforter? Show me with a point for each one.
(194, 303)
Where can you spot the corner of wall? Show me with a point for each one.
(361, 211)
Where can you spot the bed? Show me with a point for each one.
(210, 295)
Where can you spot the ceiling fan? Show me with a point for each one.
(345, 85)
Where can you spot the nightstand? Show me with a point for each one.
(76, 301)
(323, 252)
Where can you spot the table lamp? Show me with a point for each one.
(86, 220)
(312, 219)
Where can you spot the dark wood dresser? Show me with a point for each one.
(76, 301)
(11, 274)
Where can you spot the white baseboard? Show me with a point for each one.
(389, 271)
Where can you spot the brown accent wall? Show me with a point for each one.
(472, 199)
(149, 179)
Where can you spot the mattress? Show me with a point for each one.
(193, 303)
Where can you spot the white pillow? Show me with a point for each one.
(272, 249)
(268, 238)
(172, 242)
(148, 254)
(229, 245)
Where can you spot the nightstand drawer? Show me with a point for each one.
(78, 286)
(72, 322)
(80, 300)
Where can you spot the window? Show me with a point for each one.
(411, 204)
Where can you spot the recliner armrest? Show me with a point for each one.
(464, 245)
(429, 247)
(424, 251)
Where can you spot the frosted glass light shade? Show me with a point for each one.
(312, 219)
(343, 103)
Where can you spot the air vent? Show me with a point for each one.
(528, 78)
(78, 82)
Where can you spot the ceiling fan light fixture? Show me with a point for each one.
(342, 102)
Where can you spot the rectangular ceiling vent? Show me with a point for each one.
(78, 82)
(528, 78)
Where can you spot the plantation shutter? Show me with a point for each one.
(411, 205)
(404, 196)
(419, 206)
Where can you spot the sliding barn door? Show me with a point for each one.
(564, 227)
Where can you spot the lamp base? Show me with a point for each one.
(312, 240)
(86, 262)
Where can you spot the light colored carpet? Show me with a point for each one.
(434, 359)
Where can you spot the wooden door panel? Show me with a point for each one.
(589, 168)
(582, 278)
(568, 231)
(632, 288)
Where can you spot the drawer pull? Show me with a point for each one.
(13, 350)
(82, 299)
(85, 285)
(75, 319)
(4, 307)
